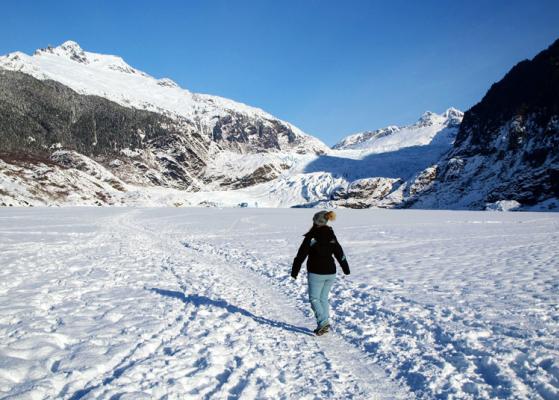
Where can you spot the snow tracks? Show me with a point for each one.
(242, 336)
(199, 304)
(113, 305)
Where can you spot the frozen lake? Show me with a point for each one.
(121, 303)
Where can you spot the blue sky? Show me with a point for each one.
(330, 67)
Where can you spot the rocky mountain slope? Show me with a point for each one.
(83, 128)
(147, 132)
(369, 176)
(506, 152)
(230, 124)
(38, 117)
(383, 165)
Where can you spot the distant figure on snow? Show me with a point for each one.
(319, 245)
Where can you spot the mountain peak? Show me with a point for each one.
(452, 116)
(70, 45)
(428, 118)
(68, 49)
(453, 113)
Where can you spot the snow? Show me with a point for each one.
(45, 183)
(503, 205)
(431, 128)
(198, 303)
(111, 77)
(296, 174)
(311, 179)
(301, 179)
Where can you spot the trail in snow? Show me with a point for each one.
(134, 313)
(166, 303)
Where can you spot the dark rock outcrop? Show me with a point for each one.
(507, 147)
(243, 134)
(38, 117)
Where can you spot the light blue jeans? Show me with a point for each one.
(319, 287)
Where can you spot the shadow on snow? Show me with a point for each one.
(402, 163)
(198, 300)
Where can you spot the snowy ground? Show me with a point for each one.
(198, 304)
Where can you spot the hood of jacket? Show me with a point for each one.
(321, 233)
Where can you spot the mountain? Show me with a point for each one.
(84, 128)
(232, 125)
(506, 152)
(382, 166)
(381, 175)
(395, 137)
(145, 132)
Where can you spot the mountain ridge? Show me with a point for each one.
(111, 77)
(368, 139)
(507, 147)
(84, 128)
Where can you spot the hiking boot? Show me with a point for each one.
(321, 331)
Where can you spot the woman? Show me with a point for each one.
(319, 245)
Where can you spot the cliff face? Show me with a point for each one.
(529, 91)
(507, 147)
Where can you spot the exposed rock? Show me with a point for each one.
(507, 147)
(365, 193)
(57, 117)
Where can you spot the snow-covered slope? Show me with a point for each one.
(379, 172)
(111, 77)
(379, 167)
(426, 130)
(147, 132)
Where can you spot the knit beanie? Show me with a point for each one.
(321, 218)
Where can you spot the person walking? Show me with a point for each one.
(319, 244)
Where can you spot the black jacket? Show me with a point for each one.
(319, 245)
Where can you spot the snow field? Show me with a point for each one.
(198, 303)
(111, 308)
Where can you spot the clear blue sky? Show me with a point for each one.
(330, 67)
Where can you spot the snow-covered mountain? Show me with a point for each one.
(394, 137)
(147, 132)
(506, 152)
(232, 124)
(373, 176)
(382, 167)
(83, 128)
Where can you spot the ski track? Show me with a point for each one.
(120, 303)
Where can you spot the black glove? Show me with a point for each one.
(295, 268)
